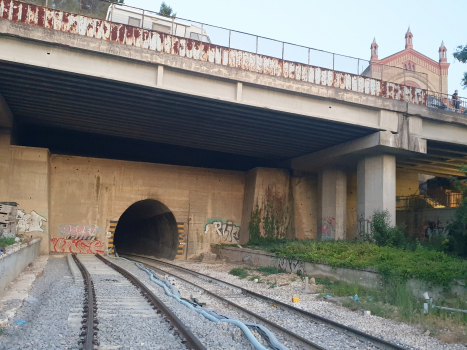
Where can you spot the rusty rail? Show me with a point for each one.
(269, 324)
(191, 341)
(89, 307)
(152, 40)
(380, 343)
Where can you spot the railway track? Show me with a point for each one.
(121, 312)
(313, 332)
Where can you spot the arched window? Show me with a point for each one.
(413, 67)
(410, 67)
(405, 66)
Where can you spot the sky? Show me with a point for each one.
(346, 27)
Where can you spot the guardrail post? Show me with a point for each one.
(230, 34)
(333, 61)
(358, 66)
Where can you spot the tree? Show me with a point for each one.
(457, 239)
(166, 10)
(461, 56)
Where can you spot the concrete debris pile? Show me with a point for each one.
(8, 219)
(208, 257)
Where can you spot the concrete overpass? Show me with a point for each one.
(330, 129)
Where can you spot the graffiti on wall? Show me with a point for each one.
(62, 245)
(435, 228)
(291, 265)
(226, 229)
(31, 222)
(83, 232)
(327, 228)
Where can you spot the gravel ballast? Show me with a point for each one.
(324, 336)
(126, 320)
(47, 325)
(396, 332)
(212, 335)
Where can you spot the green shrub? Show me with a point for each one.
(421, 263)
(383, 233)
(240, 272)
(6, 242)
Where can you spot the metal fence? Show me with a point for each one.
(238, 40)
(446, 200)
(255, 44)
(447, 102)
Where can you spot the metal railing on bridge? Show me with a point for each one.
(388, 80)
(446, 200)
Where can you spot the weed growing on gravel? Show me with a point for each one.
(437, 268)
(240, 272)
(268, 270)
(393, 299)
(272, 284)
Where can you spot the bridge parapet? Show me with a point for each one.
(159, 42)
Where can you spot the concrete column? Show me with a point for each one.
(258, 182)
(376, 186)
(5, 137)
(332, 188)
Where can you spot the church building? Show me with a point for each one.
(410, 67)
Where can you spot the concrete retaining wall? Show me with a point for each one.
(367, 278)
(15, 261)
(364, 277)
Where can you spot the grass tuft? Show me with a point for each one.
(240, 272)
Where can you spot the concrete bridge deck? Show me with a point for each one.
(336, 132)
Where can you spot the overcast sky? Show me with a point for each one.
(341, 26)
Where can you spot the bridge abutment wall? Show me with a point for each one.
(72, 202)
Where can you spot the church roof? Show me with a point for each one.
(409, 52)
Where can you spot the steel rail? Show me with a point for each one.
(191, 341)
(89, 306)
(266, 322)
(380, 343)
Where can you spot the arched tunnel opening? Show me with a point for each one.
(147, 228)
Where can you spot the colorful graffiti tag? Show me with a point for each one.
(83, 232)
(226, 229)
(31, 222)
(327, 228)
(63, 245)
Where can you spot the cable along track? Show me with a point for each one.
(334, 329)
(120, 311)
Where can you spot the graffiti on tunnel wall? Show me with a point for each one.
(31, 222)
(228, 230)
(63, 245)
(83, 232)
(291, 265)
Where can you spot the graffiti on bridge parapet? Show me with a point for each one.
(227, 229)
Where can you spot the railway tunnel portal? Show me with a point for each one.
(148, 228)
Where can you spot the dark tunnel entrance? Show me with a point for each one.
(147, 228)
